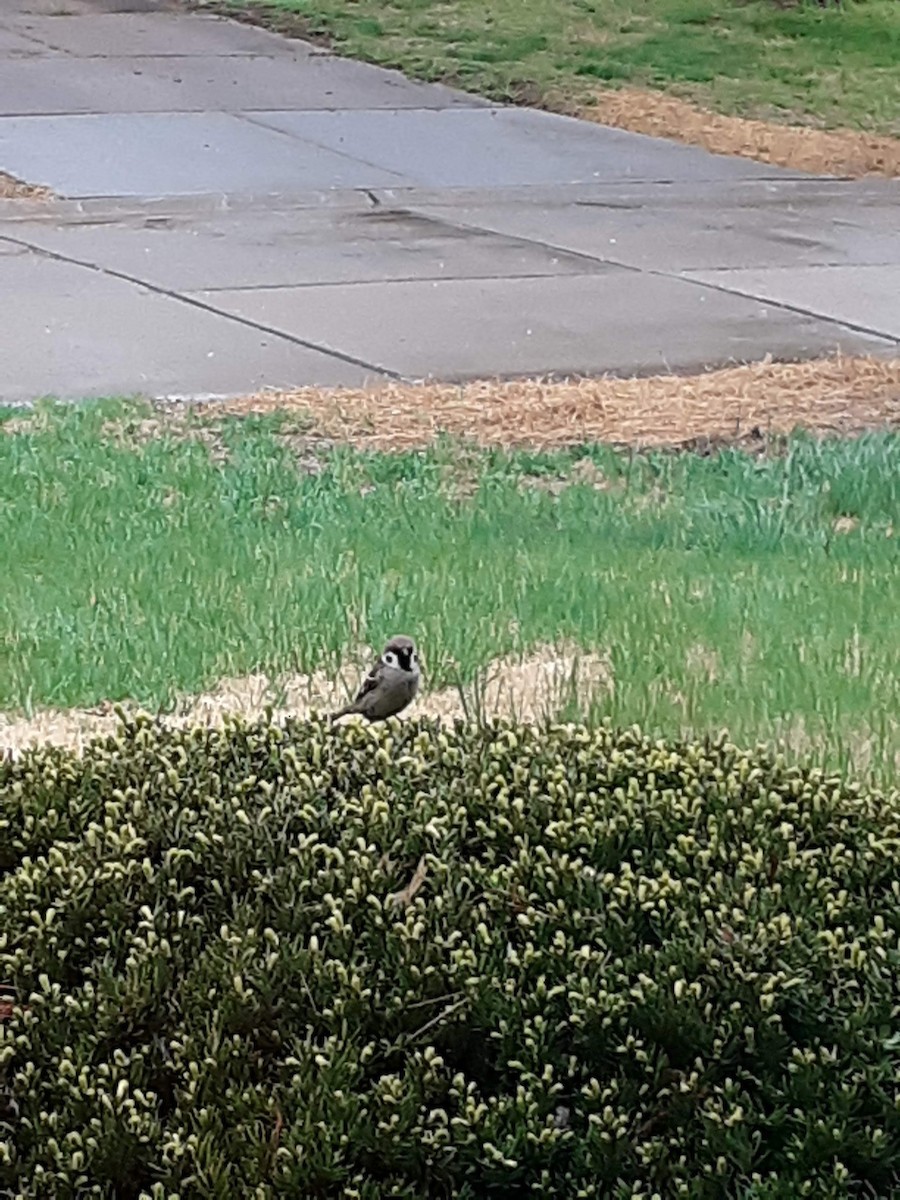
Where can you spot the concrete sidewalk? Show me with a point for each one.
(239, 211)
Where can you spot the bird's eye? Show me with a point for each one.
(390, 658)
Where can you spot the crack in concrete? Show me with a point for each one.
(193, 302)
(853, 327)
(381, 282)
(242, 115)
(850, 326)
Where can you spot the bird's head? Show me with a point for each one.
(401, 653)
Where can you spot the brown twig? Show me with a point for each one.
(406, 895)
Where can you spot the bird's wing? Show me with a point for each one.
(369, 684)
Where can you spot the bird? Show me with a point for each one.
(390, 685)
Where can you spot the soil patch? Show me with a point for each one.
(528, 689)
(844, 152)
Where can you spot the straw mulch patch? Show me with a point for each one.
(14, 189)
(845, 152)
(839, 395)
(528, 689)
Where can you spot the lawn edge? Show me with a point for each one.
(748, 406)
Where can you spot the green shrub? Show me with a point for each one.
(618, 967)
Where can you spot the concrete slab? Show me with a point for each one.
(621, 321)
(651, 228)
(208, 84)
(866, 297)
(88, 8)
(169, 154)
(502, 147)
(300, 219)
(73, 333)
(28, 86)
(297, 247)
(132, 34)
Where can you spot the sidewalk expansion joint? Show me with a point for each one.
(193, 302)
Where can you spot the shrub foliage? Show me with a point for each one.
(409, 961)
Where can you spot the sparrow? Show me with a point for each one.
(390, 685)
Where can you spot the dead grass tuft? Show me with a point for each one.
(131, 433)
(584, 472)
(703, 662)
(797, 739)
(744, 403)
(844, 152)
(405, 896)
(14, 189)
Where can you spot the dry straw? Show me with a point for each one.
(835, 395)
(13, 189)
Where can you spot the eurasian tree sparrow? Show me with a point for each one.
(390, 685)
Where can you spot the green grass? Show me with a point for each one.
(718, 587)
(835, 65)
